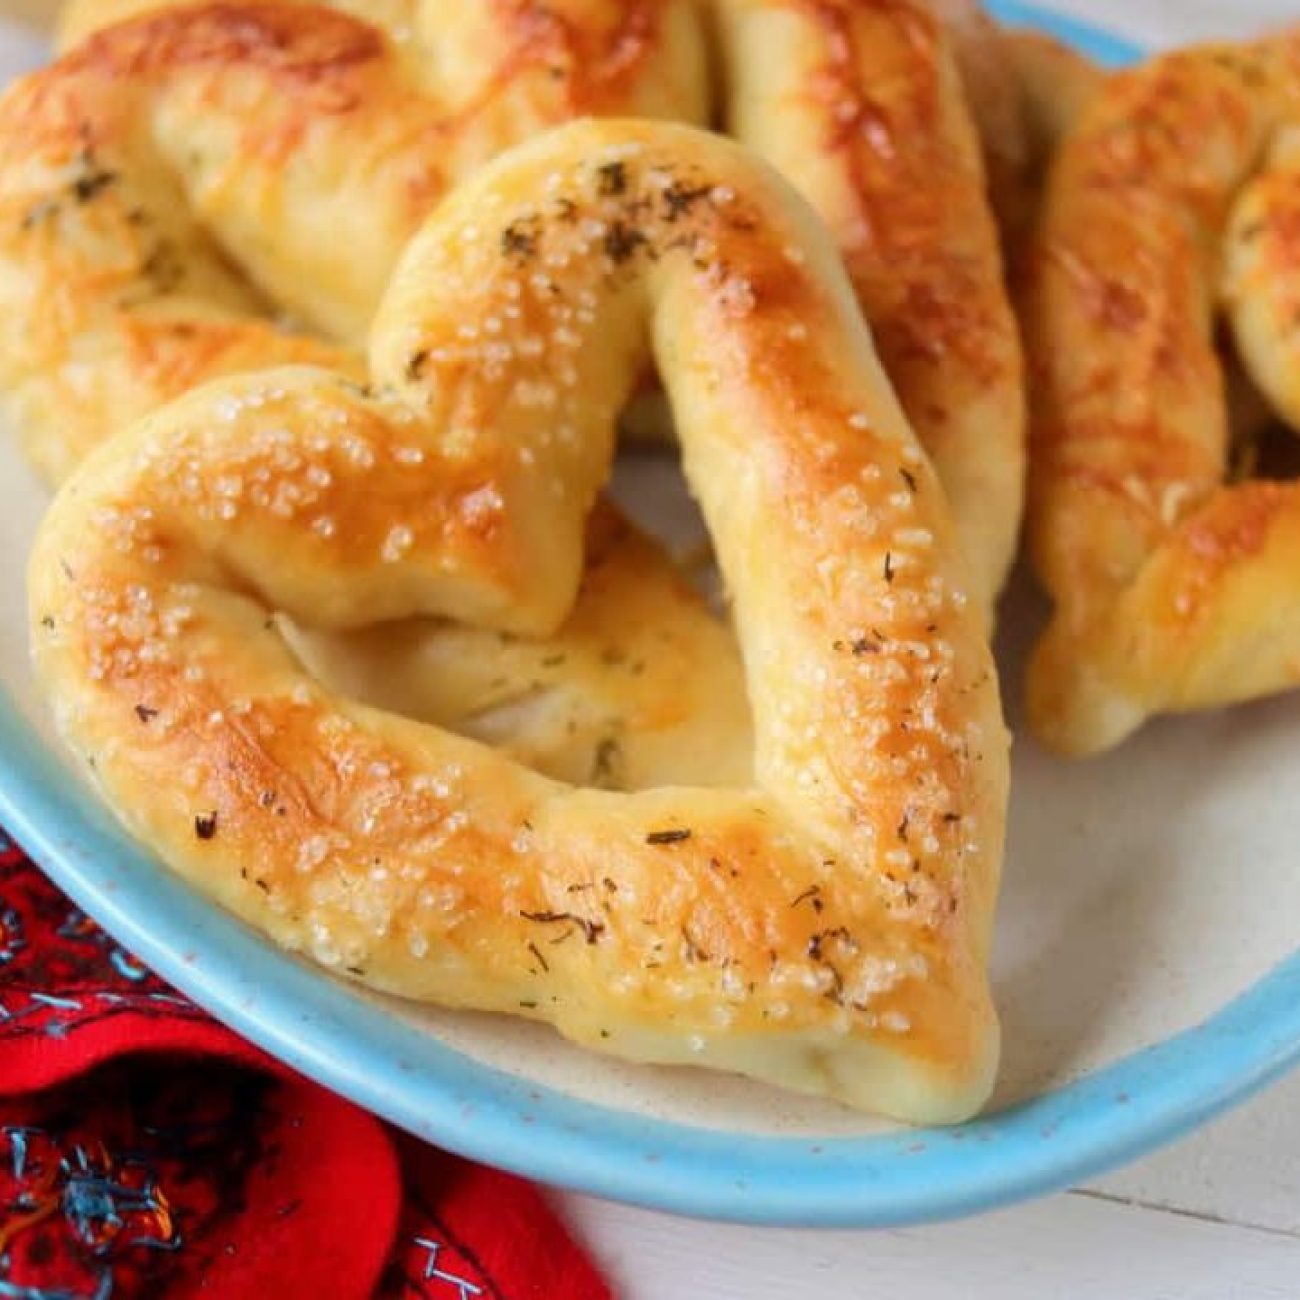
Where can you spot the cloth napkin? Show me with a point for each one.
(146, 1151)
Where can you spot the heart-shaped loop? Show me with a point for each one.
(826, 928)
(1168, 579)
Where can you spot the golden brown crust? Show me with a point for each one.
(177, 174)
(1161, 573)
(859, 103)
(826, 928)
(121, 300)
(597, 55)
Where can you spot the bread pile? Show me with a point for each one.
(322, 321)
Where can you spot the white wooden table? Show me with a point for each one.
(1216, 1217)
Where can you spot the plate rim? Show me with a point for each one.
(474, 1109)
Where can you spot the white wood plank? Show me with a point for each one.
(1244, 1168)
(1066, 1248)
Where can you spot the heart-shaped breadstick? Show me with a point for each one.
(826, 928)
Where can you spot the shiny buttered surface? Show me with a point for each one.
(596, 809)
(859, 104)
(825, 927)
(216, 189)
(229, 188)
(1174, 197)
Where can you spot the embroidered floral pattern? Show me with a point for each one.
(102, 1180)
(136, 1181)
(58, 969)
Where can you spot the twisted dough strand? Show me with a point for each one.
(521, 62)
(826, 929)
(1000, 109)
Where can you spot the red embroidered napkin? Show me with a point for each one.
(145, 1151)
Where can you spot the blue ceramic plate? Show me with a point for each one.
(1071, 1111)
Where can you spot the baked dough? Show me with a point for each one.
(177, 193)
(1056, 84)
(986, 61)
(1172, 587)
(862, 107)
(825, 928)
(135, 172)
(984, 56)
(641, 685)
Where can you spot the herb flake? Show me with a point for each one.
(673, 836)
